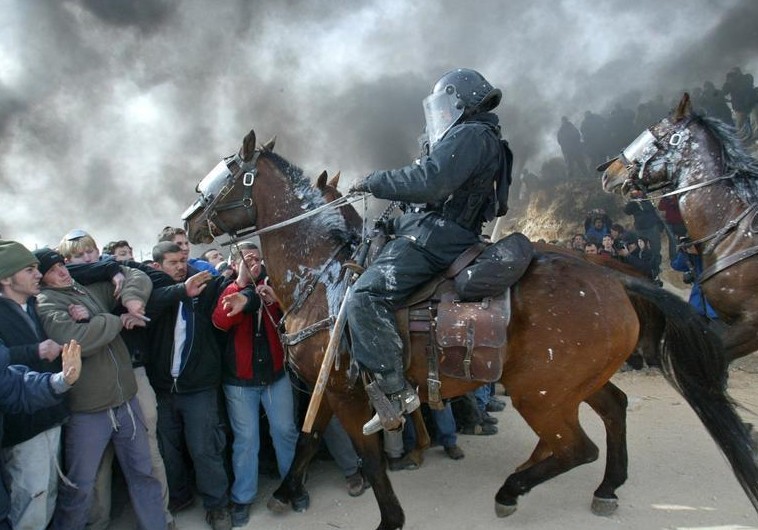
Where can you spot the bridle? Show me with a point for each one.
(217, 184)
(646, 147)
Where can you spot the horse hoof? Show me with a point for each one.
(604, 507)
(277, 506)
(504, 510)
(302, 503)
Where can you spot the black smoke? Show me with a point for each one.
(110, 112)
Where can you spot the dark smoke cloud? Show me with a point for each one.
(110, 112)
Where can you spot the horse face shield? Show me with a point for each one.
(635, 158)
(210, 187)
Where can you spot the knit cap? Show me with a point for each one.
(14, 257)
(47, 258)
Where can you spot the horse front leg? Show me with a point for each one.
(353, 412)
(292, 492)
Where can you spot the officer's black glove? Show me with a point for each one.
(359, 185)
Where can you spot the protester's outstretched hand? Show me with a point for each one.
(72, 362)
(233, 304)
(197, 283)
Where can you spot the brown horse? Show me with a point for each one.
(702, 162)
(573, 325)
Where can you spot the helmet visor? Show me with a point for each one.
(441, 111)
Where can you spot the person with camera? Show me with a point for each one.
(688, 261)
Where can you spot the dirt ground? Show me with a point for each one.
(678, 479)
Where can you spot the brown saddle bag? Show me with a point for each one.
(471, 337)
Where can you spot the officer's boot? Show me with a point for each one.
(390, 407)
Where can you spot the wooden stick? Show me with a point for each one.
(326, 366)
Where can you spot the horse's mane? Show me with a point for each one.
(736, 157)
(331, 220)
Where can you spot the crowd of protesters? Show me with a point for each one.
(187, 393)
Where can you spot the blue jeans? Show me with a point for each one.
(193, 419)
(445, 423)
(243, 404)
(482, 395)
(341, 448)
(86, 436)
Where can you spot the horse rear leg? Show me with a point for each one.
(561, 438)
(610, 404)
(292, 492)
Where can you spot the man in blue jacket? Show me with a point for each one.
(24, 391)
(31, 443)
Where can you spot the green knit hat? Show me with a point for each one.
(14, 257)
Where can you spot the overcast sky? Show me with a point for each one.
(111, 111)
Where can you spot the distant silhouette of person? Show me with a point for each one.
(713, 103)
(739, 87)
(528, 182)
(594, 135)
(570, 140)
(620, 128)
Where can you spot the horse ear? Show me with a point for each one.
(248, 146)
(335, 180)
(321, 181)
(684, 109)
(269, 146)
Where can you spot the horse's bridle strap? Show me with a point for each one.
(289, 339)
(719, 235)
(728, 261)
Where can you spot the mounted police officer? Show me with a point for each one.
(451, 192)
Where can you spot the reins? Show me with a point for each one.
(335, 204)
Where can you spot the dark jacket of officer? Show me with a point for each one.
(455, 183)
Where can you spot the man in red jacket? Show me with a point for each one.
(254, 375)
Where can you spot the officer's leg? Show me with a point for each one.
(377, 345)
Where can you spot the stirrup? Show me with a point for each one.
(389, 410)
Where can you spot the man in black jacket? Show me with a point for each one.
(31, 442)
(184, 367)
(462, 184)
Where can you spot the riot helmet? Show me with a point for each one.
(458, 94)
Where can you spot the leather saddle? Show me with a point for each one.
(466, 338)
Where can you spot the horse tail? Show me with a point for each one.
(695, 364)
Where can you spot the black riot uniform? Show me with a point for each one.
(459, 186)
